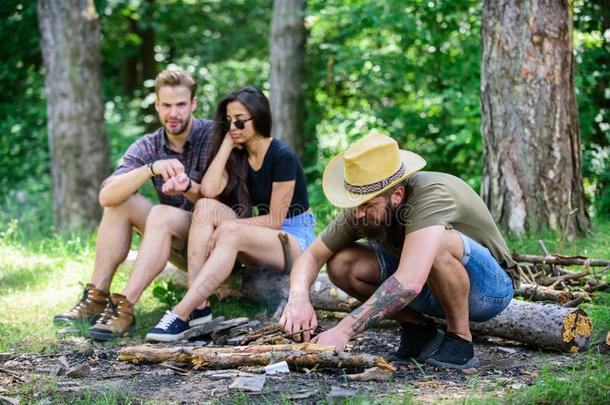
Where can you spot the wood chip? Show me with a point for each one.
(250, 384)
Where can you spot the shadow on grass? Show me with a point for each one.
(22, 277)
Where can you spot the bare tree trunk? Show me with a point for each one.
(286, 80)
(532, 176)
(149, 64)
(77, 136)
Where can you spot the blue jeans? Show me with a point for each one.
(301, 227)
(491, 288)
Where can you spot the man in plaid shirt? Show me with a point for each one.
(174, 158)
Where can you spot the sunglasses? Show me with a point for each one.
(239, 124)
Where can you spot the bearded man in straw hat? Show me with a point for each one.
(431, 248)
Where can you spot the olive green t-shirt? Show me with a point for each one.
(431, 198)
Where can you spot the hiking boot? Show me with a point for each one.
(454, 352)
(89, 308)
(200, 316)
(117, 320)
(169, 329)
(417, 342)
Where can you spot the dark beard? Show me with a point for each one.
(383, 230)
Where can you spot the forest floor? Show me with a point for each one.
(97, 376)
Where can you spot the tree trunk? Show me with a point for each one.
(77, 135)
(532, 177)
(286, 79)
(147, 49)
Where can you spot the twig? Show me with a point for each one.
(299, 332)
(562, 260)
(531, 276)
(543, 247)
(524, 278)
(553, 281)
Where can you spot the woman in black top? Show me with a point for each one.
(249, 170)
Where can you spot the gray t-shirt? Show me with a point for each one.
(431, 198)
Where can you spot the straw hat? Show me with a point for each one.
(370, 166)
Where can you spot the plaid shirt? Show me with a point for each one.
(152, 147)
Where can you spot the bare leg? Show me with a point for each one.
(258, 245)
(208, 214)
(450, 284)
(114, 237)
(355, 270)
(166, 227)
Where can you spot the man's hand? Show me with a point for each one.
(299, 315)
(337, 336)
(168, 168)
(176, 185)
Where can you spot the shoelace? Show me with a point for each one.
(167, 320)
(83, 300)
(110, 313)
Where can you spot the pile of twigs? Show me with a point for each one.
(545, 277)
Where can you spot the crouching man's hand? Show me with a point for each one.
(299, 316)
(337, 336)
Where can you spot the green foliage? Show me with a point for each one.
(168, 293)
(409, 68)
(592, 46)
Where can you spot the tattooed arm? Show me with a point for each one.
(419, 250)
(390, 297)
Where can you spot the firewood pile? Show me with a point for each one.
(236, 344)
(546, 278)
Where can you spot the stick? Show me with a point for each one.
(562, 260)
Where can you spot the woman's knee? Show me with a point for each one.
(206, 211)
(228, 233)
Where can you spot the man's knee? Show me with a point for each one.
(165, 218)
(450, 251)
(339, 265)
(135, 210)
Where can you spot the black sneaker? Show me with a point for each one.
(200, 316)
(417, 341)
(454, 352)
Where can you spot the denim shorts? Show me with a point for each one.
(301, 227)
(491, 288)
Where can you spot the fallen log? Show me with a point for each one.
(297, 355)
(540, 325)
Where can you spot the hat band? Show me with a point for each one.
(378, 185)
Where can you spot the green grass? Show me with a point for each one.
(581, 384)
(42, 277)
(594, 246)
(45, 389)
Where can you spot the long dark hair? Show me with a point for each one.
(236, 192)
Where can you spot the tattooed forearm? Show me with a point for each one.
(389, 298)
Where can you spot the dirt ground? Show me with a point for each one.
(504, 366)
